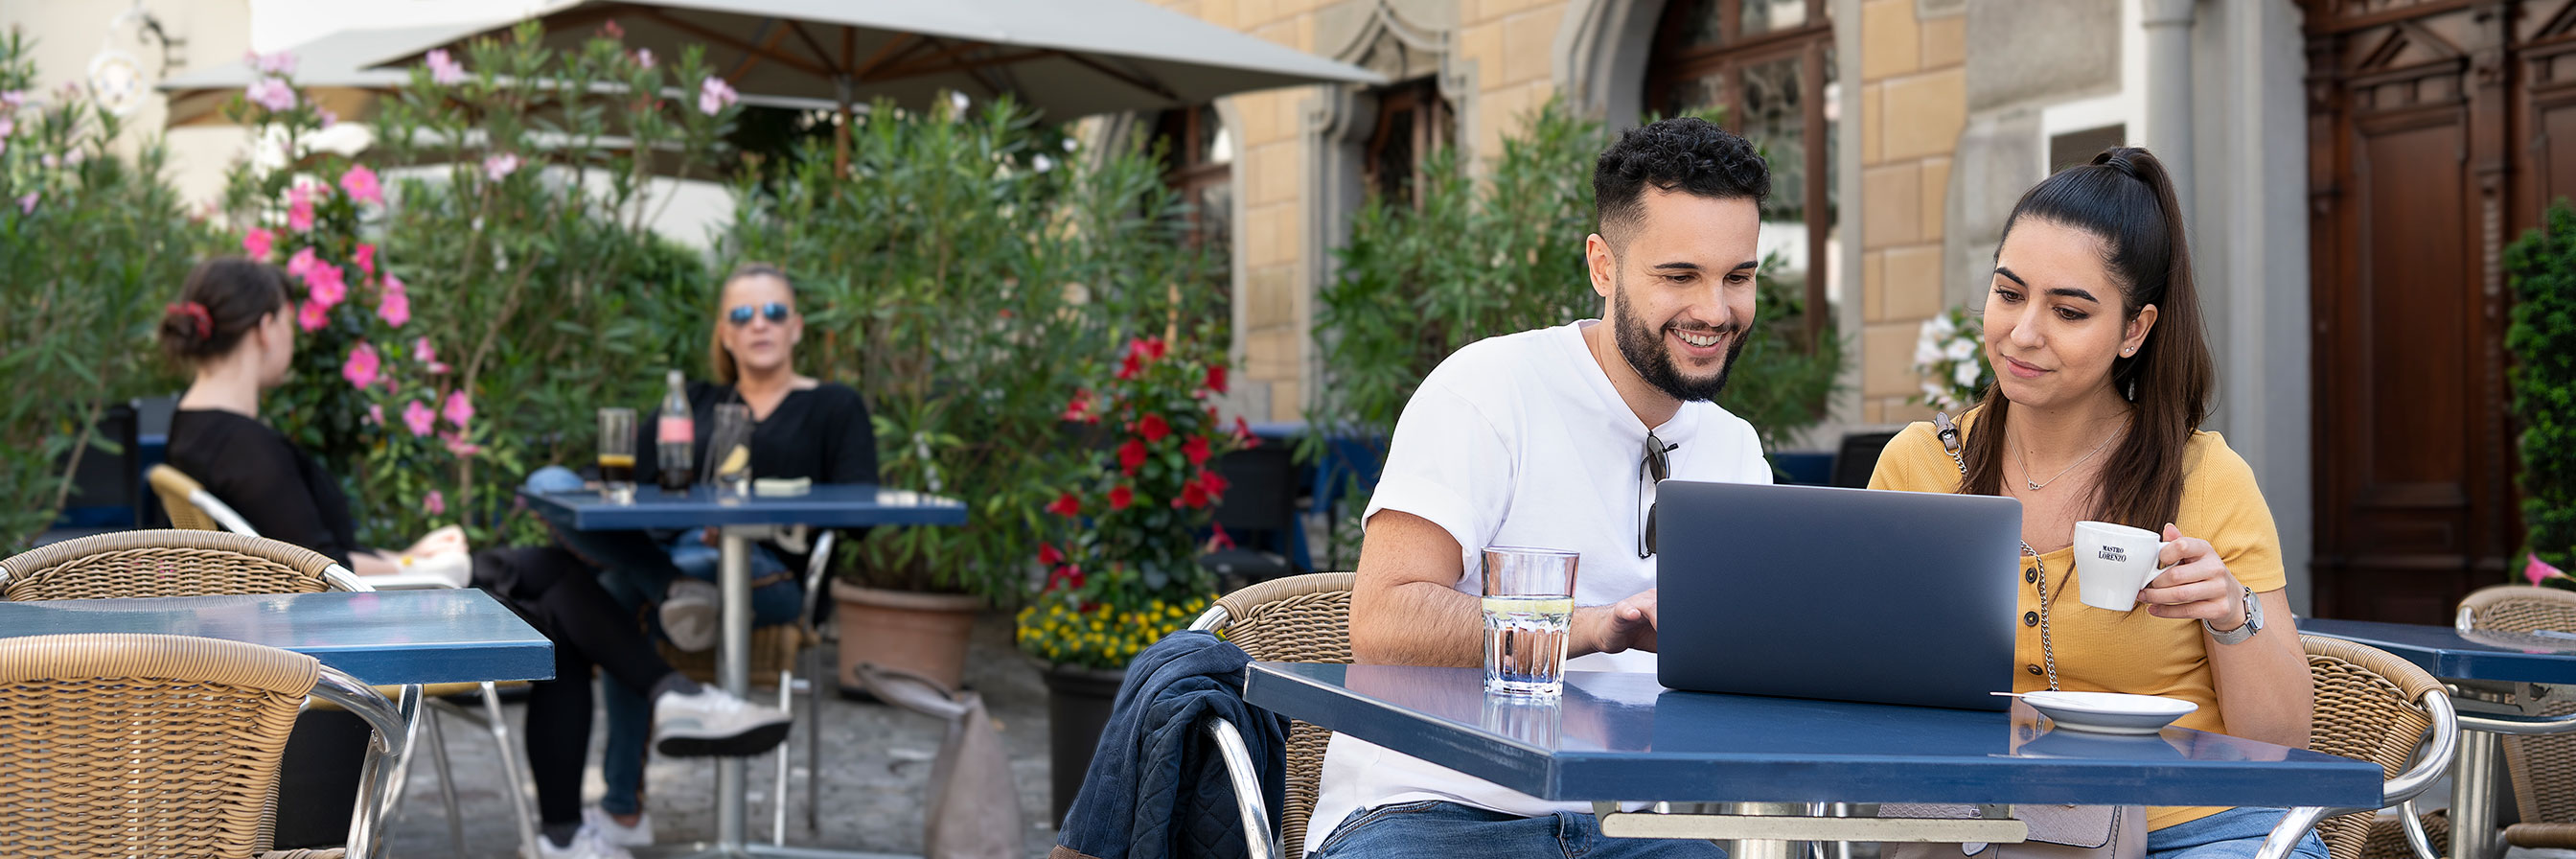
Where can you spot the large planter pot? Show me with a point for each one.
(1078, 702)
(921, 633)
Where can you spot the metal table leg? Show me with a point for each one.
(2473, 796)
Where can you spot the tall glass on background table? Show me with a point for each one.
(617, 454)
(728, 463)
(1529, 607)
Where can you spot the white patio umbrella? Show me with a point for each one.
(1065, 58)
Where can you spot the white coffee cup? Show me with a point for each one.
(2113, 562)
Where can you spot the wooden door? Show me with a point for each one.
(2430, 147)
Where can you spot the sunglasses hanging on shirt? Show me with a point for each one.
(1656, 466)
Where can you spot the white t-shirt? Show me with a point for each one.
(1520, 440)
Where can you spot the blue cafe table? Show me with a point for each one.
(2501, 675)
(741, 521)
(1618, 738)
(385, 638)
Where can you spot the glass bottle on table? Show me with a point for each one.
(676, 433)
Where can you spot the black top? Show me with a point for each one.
(822, 434)
(282, 491)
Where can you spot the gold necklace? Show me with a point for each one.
(2022, 451)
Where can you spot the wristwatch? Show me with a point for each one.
(2253, 623)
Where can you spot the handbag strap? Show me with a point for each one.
(1949, 433)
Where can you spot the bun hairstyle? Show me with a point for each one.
(2126, 199)
(718, 359)
(223, 299)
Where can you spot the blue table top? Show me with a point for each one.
(2514, 657)
(844, 505)
(382, 638)
(1621, 736)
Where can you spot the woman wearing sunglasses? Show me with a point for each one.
(801, 428)
(2093, 326)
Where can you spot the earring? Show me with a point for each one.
(2133, 390)
(2131, 350)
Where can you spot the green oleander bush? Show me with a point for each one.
(2542, 337)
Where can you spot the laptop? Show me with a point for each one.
(1841, 594)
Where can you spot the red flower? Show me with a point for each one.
(1128, 369)
(1196, 450)
(1146, 348)
(1221, 540)
(1080, 408)
(1066, 505)
(1193, 496)
(1131, 456)
(1216, 378)
(1243, 433)
(1215, 484)
(1154, 429)
(1120, 497)
(1048, 555)
(1065, 577)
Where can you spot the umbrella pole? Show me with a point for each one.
(841, 132)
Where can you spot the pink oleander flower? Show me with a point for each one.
(280, 63)
(456, 444)
(325, 284)
(2538, 570)
(27, 204)
(499, 167)
(444, 70)
(49, 161)
(714, 95)
(301, 263)
(7, 126)
(376, 414)
(327, 117)
(459, 410)
(434, 502)
(14, 98)
(271, 93)
(419, 418)
(311, 317)
(258, 242)
(362, 186)
(365, 258)
(362, 365)
(644, 57)
(299, 208)
(422, 352)
(395, 306)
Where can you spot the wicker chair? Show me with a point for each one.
(1296, 619)
(2374, 707)
(189, 504)
(172, 563)
(162, 745)
(2543, 768)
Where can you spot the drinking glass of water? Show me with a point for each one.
(1529, 606)
(728, 460)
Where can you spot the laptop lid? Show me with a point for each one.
(1842, 594)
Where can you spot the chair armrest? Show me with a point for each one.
(1260, 840)
(2556, 836)
(2436, 762)
(385, 753)
(2416, 838)
(817, 564)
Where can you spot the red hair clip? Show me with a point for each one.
(193, 310)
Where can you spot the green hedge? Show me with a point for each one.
(2542, 337)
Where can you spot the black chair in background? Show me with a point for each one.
(1858, 456)
(1259, 510)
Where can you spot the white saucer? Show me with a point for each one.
(2108, 712)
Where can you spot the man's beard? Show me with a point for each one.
(1643, 346)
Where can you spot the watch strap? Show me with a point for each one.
(2252, 623)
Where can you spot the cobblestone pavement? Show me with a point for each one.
(876, 764)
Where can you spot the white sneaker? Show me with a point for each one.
(639, 835)
(712, 723)
(586, 844)
(689, 614)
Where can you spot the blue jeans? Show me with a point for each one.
(2236, 833)
(1437, 828)
(637, 571)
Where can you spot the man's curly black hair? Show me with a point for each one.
(1684, 153)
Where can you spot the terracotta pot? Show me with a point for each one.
(917, 632)
(1078, 704)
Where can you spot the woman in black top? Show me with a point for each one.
(801, 427)
(233, 327)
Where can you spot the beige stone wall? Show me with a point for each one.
(1912, 104)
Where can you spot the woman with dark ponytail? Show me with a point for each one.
(234, 327)
(2103, 377)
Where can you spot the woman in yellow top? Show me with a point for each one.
(2102, 380)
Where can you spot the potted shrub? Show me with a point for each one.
(1122, 565)
(954, 272)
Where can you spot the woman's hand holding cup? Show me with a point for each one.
(2196, 584)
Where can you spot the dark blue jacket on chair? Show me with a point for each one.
(1157, 788)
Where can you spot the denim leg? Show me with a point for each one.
(2236, 833)
(628, 560)
(1436, 828)
(621, 764)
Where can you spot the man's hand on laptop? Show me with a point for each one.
(1628, 624)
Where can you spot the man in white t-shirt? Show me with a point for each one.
(1553, 438)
